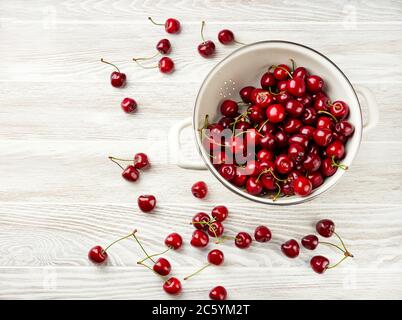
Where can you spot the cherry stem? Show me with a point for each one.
(111, 159)
(347, 253)
(122, 238)
(154, 255)
(263, 124)
(208, 223)
(328, 114)
(198, 271)
(202, 31)
(155, 23)
(273, 93)
(332, 244)
(273, 174)
(278, 193)
(237, 119)
(162, 277)
(241, 43)
(119, 159)
(142, 248)
(104, 61)
(144, 67)
(339, 165)
(338, 263)
(147, 58)
(293, 64)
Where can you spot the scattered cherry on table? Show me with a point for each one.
(117, 78)
(146, 202)
(205, 48)
(171, 25)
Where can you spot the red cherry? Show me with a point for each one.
(268, 181)
(171, 25)
(215, 257)
(309, 116)
(97, 254)
(294, 108)
(312, 162)
(319, 264)
(262, 98)
(325, 228)
(215, 229)
(254, 186)
(174, 241)
(325, 123)
(327, 167)
(310, 242)
(166, 65)
(316, 179)
(265, 155)
(206, 48)
(117, 78)
(146, 203)
(335, 149)
(339, 109)
(322, 137)
(283, 97)
(225, 122)
(225, 36)
(344, 128)
(220, 213)
(300, 72)
(321, 103)
(245, 93)
(262, 234)
(128, 105)
(281, 72)
(267, 80)
(227, 171)
(268, 141)
(256, 114)
(283, 164)
(302, 186)
(299, 139)
(240, 178)
(314, 83)
(292, 125)
(199, 189)
(290, 248)
(141, 161)
(229, 108)
(201, 221)
(296, 87)
(281, 139)
(172, 286)
(163, 46)
(243, 240)
(275, 113)
(296, 152)
(162, 266)
(199, 239)
(218, 293)
(308, 131)
(130, 174)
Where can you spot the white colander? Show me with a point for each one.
(244, 67)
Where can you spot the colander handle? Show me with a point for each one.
(175, 147)
(372, 106)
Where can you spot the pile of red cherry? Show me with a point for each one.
(297, 134)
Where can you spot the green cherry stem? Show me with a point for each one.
(328, 114)
(111, 159)
(154, 255)
(147, 58)
(202, 31)
(144, 67)
(293, 64)
(104, 61)
(157, 24)
(122, 238)
(142, 248)
(278, 193)
(339, 165)
(198, 271)
(333, 245)
(338, 263)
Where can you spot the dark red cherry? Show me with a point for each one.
(199, 189)
(327, 167)
(227, 171)
(299, 139)
(215, 257)
(300, 72)
(268, 181)
(275, 113)
(128, 105)
(292, 125)
(97, 254)
(130, 174)
(172, 286)
(225, 122)
(162, 267)
(245, 93)
(265, 155)
(319, 264)
(308, 131)
(243, 240)
(335, 149)
(220, 213)
(290, 248)
(302, 186)
(316, 179)
(254, 186)
(240, 178)
(256, 114)
(281, 72)
(296, 152)
(262, 98)
(310, 242)
(262, 234)
(294, 108)
(146, 203)
(117, 78)
(314, 83)
(266, 127)
(166, 65)
(312, 162)
(243, 126)
(174, 241)
(267, 80)
(268, 141)
(201, 221)
(206, 48)
(321, 103)
(281, 139)
(282, 86)
(171, 25)
(199, 239)
(283, 98)
(215, 229)
(322, 137)
(309, 116)
(306, 100)
(225, 36)
(141, 161)
(344, 128)
(163, 46)
(218, 293)
(296, 87)
(325, 228)
(325, 123)
(339, 109)
(229, 108)
(283, 164)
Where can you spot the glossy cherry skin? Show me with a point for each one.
(199, 239)
(292, 125)
(166, 65)
(243, 240)
(299, 139)
(296, 87)
(172, 25)
(97, 254)
(281, 139)
(281, 72)
(215, 229)
(335, 149)
(268, 181)
(215, 257)
(309, 116)
(268, 141)
(172, 286)
(174, 241)
(310, 242)
(240, 178)
(316, 179)
(325, 123)
(339, 109)
(227, 171)
(199, 189)
(314, 83)
(312, 162)
(262, 234)
(319, 264)
(308, 131)
(200, 221)
(118, 79)
(253, 186)
(163, 46)
(128, 105)
(275, 113)
(245, 93)
(218, 293)
(130, 174)
(162, 266)
(296, 152)
(290, 248)
(256, 114)
(206, 48)
(265, 155)
(302, 186)
(283, 97)
(283, 164)
(327, 168)
(321, 103)
(344, 128)
(141, 161)
(146, 203)
(322, 137)
(262, 98)
(325, 228)
(225, 122)
(294, 108)
(225, 36)
(267, 80)
(220, 213)
(300, 72)
(229, 108)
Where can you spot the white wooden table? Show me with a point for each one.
(60, 119)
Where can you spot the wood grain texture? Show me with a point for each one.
(60, 119)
